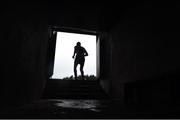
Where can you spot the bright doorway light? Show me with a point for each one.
(63, 66)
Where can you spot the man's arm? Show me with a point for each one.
(74, 52)
(86, 53)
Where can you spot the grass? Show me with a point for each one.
(86, 77)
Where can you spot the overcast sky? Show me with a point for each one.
(64, 62)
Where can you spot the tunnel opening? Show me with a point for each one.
(61, 49)
(57, 87)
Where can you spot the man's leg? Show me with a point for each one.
(75, 71)
(81, 69)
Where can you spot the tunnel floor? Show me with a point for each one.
(85, 99)
(86, 108)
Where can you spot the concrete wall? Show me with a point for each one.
(144, 45)
(105, 62)
(24, 35)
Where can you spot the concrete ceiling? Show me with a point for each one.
(85, 14)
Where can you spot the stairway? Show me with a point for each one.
(73, 89)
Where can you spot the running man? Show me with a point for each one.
(79, 55)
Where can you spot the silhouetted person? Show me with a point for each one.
(79, 54)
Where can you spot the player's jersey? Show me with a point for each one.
(80, 51)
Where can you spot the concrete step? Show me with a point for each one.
(73, 89)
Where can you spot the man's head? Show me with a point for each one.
(78, 44)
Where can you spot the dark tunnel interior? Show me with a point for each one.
(138, 60)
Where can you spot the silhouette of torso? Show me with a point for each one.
(79, 52)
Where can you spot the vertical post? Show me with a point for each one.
(98, 56)
(51, 52)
